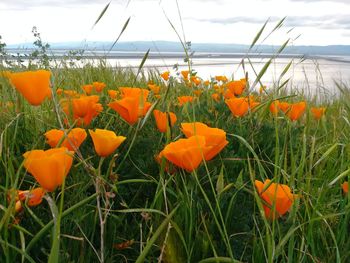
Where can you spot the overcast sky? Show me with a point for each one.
(318, 22)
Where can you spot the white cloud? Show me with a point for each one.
(28, 4)
(223, 21)
(330, 1)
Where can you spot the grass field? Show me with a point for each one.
(127, 203)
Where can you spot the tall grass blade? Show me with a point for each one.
(258, 35)
(142, 64)
(340, 176)
(120, 34)
(50, 224)
(278, 26)
(219, 259)
(326, 154)
(155, 236)
(101, 15)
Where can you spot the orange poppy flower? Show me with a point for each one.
(296, 110)
(53, 137)
(158, 159)
(59, 91)
(185, 73)
(71, 93)
(184, 99)
(274, 106)
(112, 93)
(238, 106)
(33, 197)
(33, 85)
(216, 97)
(133, 105)
(345, 187)
(141, 94)
(128, 109)
(98, 86)
(215, 139)
(228, 94)
(277, 196)
(284, 106)
(155, 88)
(165, 75)
(196, 80)
(75, 138)
(49, 167)
(221, 78)
(317, 113)
(197, 92)
(252, 102)
(81, 106)
(83, 109)
(162, 120)
(14, 194)
(237, 86)
(206, 83)
(87, 88)
(105, 141)
(185, 153)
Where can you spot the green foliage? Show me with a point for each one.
(41, 51)
(210, 215)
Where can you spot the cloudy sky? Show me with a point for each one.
(309, 22)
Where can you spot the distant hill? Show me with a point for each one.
(168, 46)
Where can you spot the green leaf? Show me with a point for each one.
(50, 224)
(326, 154)
(54, 253)
(256, 157)
(220, 184)
(219, 259)
(24, 254)
(155, 236)
(340, 176)
(239, 180)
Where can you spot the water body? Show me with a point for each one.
(307, 74)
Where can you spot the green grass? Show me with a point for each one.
(210, 215)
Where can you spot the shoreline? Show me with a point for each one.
(177, 56)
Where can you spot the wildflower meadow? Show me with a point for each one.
(104, 164)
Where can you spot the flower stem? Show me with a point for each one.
(98, 204)
(54, 253)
